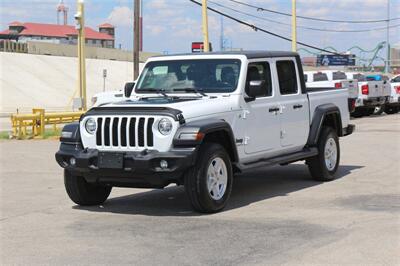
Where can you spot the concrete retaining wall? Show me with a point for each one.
(49, 82)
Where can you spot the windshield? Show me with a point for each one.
(202, 75)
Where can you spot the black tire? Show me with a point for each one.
(390, 110)
(357, 113)
(368, 111)
(317, 165)
(195, 179)
(84, 193)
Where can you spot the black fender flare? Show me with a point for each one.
(320, 114)
(71, 133)
(201, 129)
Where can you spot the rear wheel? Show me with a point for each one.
(391, 109)
(369, 111)
(324, 165)
(209, 183)
(84, 193)
(357, 113)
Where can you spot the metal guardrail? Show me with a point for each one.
(38, 120)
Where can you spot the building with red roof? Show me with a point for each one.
(65, 34)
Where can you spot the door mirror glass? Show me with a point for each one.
(128, 89)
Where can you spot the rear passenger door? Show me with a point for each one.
(294, 112)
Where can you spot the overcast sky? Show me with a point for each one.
(171, 25)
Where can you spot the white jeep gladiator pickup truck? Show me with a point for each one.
(196, 120)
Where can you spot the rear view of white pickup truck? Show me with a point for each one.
(371, 93)
(197, 119)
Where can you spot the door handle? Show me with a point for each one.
(274, 109)
(297, 106)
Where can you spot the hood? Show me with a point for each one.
(190, 107)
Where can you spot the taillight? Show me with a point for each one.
(397, 89)
(338, 85)
(365, 89)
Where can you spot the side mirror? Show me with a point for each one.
(128, 89)
(255, 89)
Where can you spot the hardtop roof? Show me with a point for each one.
(248, 54)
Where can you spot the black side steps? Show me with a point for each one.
(282, 159)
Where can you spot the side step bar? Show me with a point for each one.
(282, 159)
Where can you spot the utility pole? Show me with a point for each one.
(294, 27)
(80, 26)
(206, 43)
(387, 65)
(136, 38)
(221, 41)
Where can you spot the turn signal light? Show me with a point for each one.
(365, 89)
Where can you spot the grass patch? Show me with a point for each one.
(48, 134)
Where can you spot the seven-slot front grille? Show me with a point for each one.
(125, 132)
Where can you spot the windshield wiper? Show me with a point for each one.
(159, 91)
(198, 91)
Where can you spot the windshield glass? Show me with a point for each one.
(205, 75)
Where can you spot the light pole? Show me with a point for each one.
(206, 43)
(80, 26)
(294, 27)
(136, 38)
(387, 65)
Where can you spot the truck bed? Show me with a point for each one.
(338, 97)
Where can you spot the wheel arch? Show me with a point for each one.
(325, 115)
(210, 130)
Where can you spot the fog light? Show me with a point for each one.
(72, 161)
(163, 164)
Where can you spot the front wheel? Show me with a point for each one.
(324, 165)
(84, 193)
(209, 183)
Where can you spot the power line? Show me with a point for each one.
(255, 28)
(311, 18)
(299, 26)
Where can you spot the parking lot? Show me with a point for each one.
(275, 216)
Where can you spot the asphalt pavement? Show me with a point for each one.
(275, 215)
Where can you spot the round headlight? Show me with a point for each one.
(91, 125)
(165, 126)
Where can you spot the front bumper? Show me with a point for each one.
(129, 169)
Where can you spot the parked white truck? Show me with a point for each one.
(371, 94)
(104, 97)
(333, 79)
(393, 105)
(196, 120)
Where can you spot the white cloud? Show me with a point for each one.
(121, 16)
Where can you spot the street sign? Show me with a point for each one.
(198, 47)
(336, 60)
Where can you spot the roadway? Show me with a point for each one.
(275, 216)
